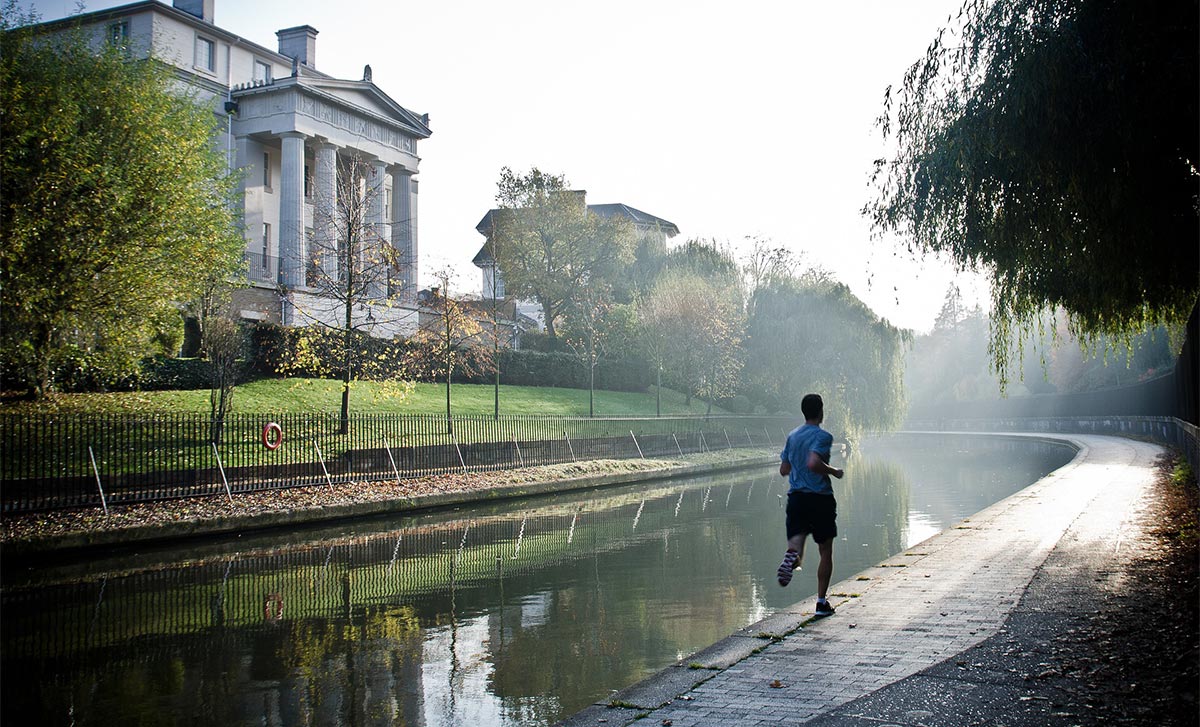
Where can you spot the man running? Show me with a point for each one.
(811, 507)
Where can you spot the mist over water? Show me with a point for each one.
(518, 613)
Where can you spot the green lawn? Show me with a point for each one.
(321, 395)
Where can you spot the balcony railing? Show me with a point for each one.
(262, 268)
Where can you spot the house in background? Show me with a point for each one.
(650, 230)
(290, 128)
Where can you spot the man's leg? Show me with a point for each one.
(796, 543)
(824, 568)
(795, 551)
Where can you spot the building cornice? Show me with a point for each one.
(407, 123)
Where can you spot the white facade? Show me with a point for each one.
(293, 130)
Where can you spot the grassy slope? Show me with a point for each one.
(307, 395)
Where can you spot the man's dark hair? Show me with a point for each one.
(812, 406)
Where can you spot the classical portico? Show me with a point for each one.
(308, 147)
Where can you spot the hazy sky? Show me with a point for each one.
(728, 119)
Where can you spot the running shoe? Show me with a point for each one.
(788, 565)
(824, 608)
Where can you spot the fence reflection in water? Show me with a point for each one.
(322, 580)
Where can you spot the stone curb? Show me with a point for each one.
(160, 533)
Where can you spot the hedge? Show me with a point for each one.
(270, 343)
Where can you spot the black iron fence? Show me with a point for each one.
(52, 462)
(1174, 432)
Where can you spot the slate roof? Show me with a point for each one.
(638, 217)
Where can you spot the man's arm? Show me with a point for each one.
(818, 466)
(785, 468)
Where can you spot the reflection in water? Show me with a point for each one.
(518, 613)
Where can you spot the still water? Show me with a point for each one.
(518, 613)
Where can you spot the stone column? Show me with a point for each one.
(293, 247)
(402, 229)
(413, 254)
(252, 219)
(373, 234)
(326, 226)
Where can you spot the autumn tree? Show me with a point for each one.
(450, 339)
(117, 205)
(548, 244)
(354, 269)
(695, 324)
(1053, 145)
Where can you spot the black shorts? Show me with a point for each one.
(810, 513)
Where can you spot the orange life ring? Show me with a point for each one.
(273, 607)
(272, 435)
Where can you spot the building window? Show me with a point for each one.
(262, 72)
(266, 250)
(307, 181)
(387, 204)
(267, 170)
(118, 33)
(206, 54)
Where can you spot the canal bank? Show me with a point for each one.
(66, 533)
(980, 624)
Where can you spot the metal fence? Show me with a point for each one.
(52, 462)
(1173, 432)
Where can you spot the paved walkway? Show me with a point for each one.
(919, 638)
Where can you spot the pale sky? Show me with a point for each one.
(728, 119)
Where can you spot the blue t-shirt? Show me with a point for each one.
(801, 441)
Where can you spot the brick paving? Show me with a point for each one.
(914, 611)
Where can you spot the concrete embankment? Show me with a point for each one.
(888, 656)
(161, 523)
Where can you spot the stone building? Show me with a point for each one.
(652, 232)
(303, 140)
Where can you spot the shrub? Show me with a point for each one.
(169, 374)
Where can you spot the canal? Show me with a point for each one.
(515, 613)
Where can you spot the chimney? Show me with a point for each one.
(202, 9)
(299, 43)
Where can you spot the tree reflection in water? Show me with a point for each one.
(517, 613)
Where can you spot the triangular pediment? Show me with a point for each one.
(367, 96)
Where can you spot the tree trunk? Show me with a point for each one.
(712, 390)
(449, 363)
(41, 353)
(449, 420)
(658, 392)
(495, 337)
(344, 425)
(548, 314)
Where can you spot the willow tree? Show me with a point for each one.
(811, 334)
(116, 207)
(1053, 144)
